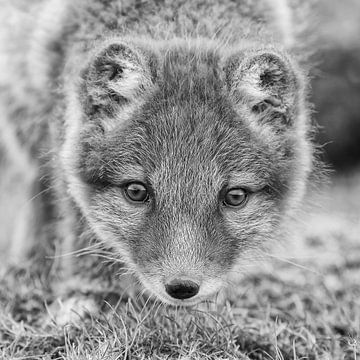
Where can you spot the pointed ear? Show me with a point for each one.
(116, 76)
(267, 84)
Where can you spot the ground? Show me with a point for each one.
(303, 304)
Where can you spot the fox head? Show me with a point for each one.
(185, 157)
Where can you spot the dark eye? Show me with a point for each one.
(235, 197)
(136, 192)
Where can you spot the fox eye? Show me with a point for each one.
(136, 192)
(235, 197)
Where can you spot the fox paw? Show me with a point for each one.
(72, 310)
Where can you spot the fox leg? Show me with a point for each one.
(18, 196)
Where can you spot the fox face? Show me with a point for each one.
(183, 158)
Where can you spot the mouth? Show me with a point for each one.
(179, 302)
(180, 296)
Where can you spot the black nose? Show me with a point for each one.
(182, 289)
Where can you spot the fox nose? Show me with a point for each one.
(182, 289)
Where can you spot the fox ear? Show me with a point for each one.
(267, 84)
(115, 77)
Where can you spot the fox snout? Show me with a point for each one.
(179, 265)
(185, 288)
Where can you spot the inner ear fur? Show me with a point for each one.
(267, 83)
(116, 75)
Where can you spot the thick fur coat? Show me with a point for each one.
(189, 99)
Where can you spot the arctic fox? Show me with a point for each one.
(167, 138)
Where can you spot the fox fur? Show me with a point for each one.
(187, 97)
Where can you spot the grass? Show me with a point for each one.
(302, 305)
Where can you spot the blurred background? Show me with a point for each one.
(336, 84)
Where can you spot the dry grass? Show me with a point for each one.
(306, 306)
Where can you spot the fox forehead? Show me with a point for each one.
(197, 151)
